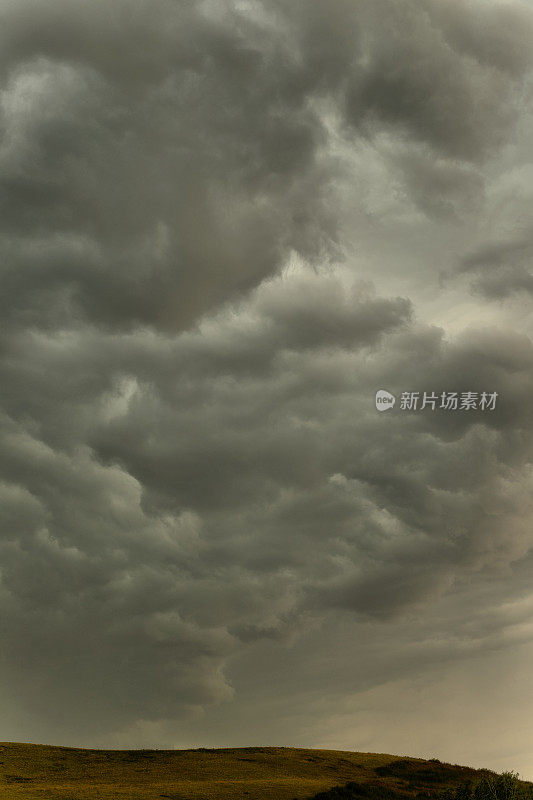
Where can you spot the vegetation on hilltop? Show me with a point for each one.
(413, 775)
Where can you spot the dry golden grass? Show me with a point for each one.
(31, 772)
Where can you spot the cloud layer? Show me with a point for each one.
(198, 200)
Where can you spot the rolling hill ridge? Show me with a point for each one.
(41, 772)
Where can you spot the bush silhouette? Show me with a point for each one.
(490, 786)
(505, 786)
(360, 791)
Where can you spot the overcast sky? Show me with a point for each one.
(224, 225)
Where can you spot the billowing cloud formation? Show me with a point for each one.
(192, 464)
(502, 268)
(169, 500)
(158, 158)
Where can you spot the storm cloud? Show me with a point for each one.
(223, 228)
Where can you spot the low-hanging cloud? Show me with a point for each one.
(192, 462)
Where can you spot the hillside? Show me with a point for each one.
(29, 771)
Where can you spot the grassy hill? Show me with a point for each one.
(29, 771)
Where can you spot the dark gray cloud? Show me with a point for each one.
(423, 78)
(501, 268)
(197, 506)
(144, 183)
(441, 188)
(195, 484)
